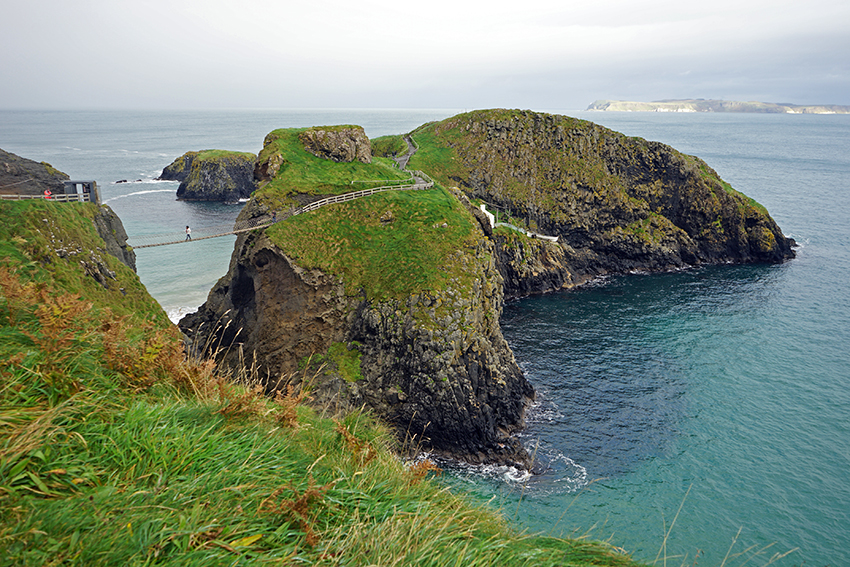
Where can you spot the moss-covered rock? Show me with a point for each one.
(338, 143)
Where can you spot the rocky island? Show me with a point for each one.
(213, 175)
(398, 296)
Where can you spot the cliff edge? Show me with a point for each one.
(23, 176)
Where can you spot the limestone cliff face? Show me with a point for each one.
(616, 203)
(213, 176)
(434, 365)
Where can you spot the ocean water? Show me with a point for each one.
(713, 400)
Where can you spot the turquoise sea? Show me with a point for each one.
(714, 400)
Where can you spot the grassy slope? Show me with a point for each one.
(115, 450)
(387, 146)
(303, 173)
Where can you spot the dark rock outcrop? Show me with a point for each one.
(22, 176)
(213, 176)
(338, 143)
(111, 230)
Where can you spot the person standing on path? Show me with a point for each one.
(188, 233)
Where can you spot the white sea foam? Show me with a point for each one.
(139, 193)
(543, 409)
(473, 473)
(177, 313)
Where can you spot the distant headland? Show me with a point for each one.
(709, 105)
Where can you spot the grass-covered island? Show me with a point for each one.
(340, 343)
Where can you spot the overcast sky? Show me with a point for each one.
(460, 54)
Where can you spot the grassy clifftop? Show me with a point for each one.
(287, 170)
(390, 245)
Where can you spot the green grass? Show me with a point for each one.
(301, 172)
(389, 245)
(217, 154)
(388, 146)
(347, 361)
(60, 246)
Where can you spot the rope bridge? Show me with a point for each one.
(203, 233)
(149, 240)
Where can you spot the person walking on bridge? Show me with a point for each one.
(188, 233)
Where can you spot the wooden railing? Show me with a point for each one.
(345, 197)
(62, 198)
